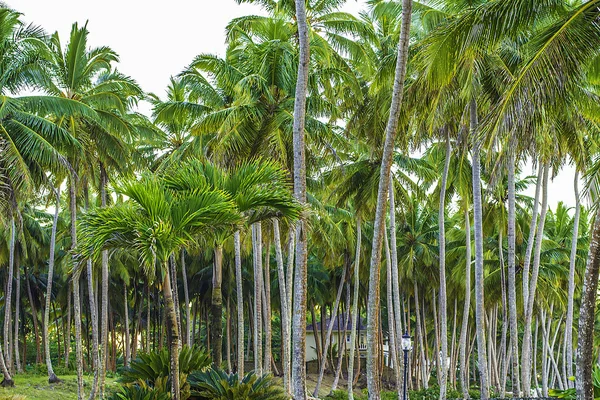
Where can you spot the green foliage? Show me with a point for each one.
(151, 370)
(571, 394)
(218, 385)
(139, 392)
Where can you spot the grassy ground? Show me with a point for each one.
(36, 387)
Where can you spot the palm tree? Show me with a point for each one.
(157, 222)
(382, 198)
(259, 191)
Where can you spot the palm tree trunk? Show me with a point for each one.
(393, 337)
(228, 327)
(52, 378)
(355, 313)
(373, 383)
(173, 331)
(587, 312)
(257, 253)
(342, 347)
(526, 353)
(93, 316)
(216, 308)
(512, 286)
(267, 307)
(532, 230)
(34, 317)
(8, 296)
(420, 333)
(175, 289)
(240, 303)
(395, 283)
(186, 296)
(477, 218)
(17, 317)
(104, 316)
(300, 277)
(127, 339)
(571, 294)
(442, 296)
(67, 335)
(334, 313)
(463, 361)
(285, 311)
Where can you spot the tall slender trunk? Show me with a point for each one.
(127, 339)
(285, 311)
(526, 353)
(267, 307)
(396, 285)
(479, 272)
(34, 317)
(240, 303)
(342, 346)
(300, 277)
(355, 311)
(228, 327)
(93, 316)
(420, 333)
(393, 337)
(501, 359)
(52, 378)
(17, 316)
(8, 296)
(67, 336)
(258, 331)
(186, 296)
(334, 314)
(571, 294)
(463, 360)
(530, 239)
(216, 308)
(174, 287)
(587, 317)
(104, 316)
(173, 331)
(512, 286)
(76, 289)
(442, 296)
(373, 383)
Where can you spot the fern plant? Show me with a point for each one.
(216, 384)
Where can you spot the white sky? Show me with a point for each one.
(156, 40)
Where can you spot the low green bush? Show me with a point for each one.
(216, 384)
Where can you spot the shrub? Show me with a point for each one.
(151, 370)
(139, 392)
(216, 384)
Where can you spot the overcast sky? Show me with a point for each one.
(156, 40)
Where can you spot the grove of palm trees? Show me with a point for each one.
(337, 206)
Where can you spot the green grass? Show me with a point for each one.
(36, 387)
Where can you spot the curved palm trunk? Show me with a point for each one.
(240, 303)
(285, 312)
(530, 239)
(479, 272)
(52, 378)
(186, 296)
(392, 355)
(334, 314)
(527, 330)
(173, 331)
(571, 294)
(8, 297)
(512, 286)
(216, 308)
(355, 315)
(373, 383)
(442, 297)
(300, 276)
(585, 343)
